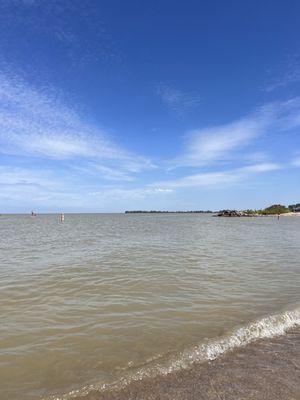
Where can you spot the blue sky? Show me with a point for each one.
(114, 105)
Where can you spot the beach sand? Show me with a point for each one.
(291, 214)
(268, 369)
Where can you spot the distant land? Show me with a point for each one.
(167, 212)
(275, 209)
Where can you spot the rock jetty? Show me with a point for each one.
(234, 213)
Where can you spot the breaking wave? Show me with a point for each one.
(267, 327)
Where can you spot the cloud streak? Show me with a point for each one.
(84, 167)
(49, 190)
(35, 123)
(219, 178)
(290, 75)
(220, 143)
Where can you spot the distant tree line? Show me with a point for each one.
(167, 212)
(275, 209)
(271, 210)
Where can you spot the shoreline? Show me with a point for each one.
(239, 214)
(269, 344)
(291, 214)
(267, 369)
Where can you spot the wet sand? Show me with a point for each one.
(268, 369)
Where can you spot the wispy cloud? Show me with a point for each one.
(35, 123)
(50, 190)
(219, 143)
(178, 101)
(108, 173)
(20, 176)
(28, 187)
(77, 157)
(132, 194)
(296, 162)
(83, 35)
(290, 74)
(219, 178)
(85, 167)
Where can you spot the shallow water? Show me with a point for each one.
(101, 297)
(262, 370)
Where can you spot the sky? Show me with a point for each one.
(110, 105)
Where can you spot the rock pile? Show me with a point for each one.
(234, 213)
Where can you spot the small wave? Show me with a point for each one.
(268, 327)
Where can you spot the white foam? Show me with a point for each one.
(268, 327)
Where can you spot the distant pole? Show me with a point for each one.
(62, 217)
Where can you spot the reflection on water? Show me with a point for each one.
(86, 300)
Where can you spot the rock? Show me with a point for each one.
(234, 213)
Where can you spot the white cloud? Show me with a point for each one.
(256, 168)
(211, 144)
(80, 159)
(35, 123)
(220, 143)
(209, 179)
(14, 176)
(27, 188)
(131, 194)
(108, 173)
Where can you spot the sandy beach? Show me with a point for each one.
(291, 214)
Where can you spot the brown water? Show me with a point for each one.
(109, 298)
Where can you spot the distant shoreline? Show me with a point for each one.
(290, 214)
(168, 212)
(223, 213)
(217, 213)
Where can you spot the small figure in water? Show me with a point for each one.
(278, 216)
(62, 217)
(33, 214)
